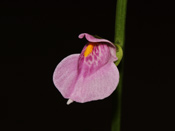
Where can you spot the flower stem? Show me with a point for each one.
(119, 39)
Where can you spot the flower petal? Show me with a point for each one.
(99, 85)
(88, 76)
(95, 60)
(91, 38)
(65, 75)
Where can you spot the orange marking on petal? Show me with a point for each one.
(89, 49)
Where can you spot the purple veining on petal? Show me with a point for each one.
(90, 38)
(95, 60)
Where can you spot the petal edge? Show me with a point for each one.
(65, 75)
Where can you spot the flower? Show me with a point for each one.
(89, 76)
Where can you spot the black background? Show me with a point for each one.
(37, 35)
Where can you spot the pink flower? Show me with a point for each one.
(91, 75)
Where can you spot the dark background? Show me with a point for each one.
(37, 35)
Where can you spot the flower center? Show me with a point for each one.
(89, 49)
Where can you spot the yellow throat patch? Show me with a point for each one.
(89, 49)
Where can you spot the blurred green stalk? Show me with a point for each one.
(119, 39)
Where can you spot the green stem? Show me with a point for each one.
(120, 22)
(119, 39)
